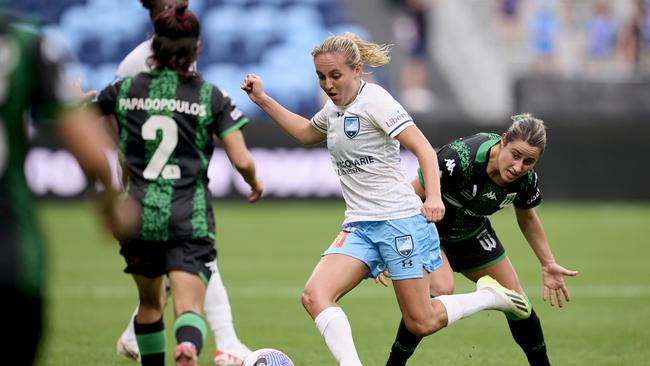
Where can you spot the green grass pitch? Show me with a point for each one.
(267, 251)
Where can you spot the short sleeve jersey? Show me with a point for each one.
(165, 136)
(31, 78)
(366, 156)
(470, 196)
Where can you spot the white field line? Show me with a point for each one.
(362, 292)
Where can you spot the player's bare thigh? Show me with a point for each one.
(502, 271)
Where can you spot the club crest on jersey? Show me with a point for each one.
(351, 126)
(404, 245)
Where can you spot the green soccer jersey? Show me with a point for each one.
(470, 196)
(31, 78)
(166, 128)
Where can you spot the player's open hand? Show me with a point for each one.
(123, 216)
(381, 278)
(554, 286)
(433, 209)
(254, 87)
(80, 94)
(256, 190)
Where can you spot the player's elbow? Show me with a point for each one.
(243, 164)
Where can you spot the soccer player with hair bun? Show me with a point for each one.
(480, 175)
(386, 223)
(167, 119)
(229, 349)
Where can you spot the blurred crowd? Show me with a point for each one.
(593, 37)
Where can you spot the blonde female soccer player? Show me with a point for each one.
(385, 221)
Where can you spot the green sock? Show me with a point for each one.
(152, 342)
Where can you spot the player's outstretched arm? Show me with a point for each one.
(293, 124)
(552, 273)
(242, 160)
(412, 138)
(83, 136)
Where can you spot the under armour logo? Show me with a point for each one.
(339, 114)
(407, 263)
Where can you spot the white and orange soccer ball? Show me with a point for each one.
(267, 357)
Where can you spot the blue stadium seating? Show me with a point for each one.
(238, 36)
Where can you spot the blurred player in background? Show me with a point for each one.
(385, 221)
(480, 175)
(31, 78)
(167, 119)
(230, 350)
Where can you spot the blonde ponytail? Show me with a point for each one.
(355, 50)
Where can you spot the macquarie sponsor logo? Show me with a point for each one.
(345, 167)
(164, 104)
(397, 117)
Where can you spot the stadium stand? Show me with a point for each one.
(239, 36)
(549, 46)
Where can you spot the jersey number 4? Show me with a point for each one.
(158, 164)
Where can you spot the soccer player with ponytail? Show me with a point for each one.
(385, 222)
(167, 119)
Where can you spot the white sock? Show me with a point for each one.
(463, 305)
(218, 314)
(333, 325)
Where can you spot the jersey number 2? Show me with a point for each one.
(158, 164)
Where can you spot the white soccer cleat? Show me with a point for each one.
(128, 348)
(185, 354)
(231, 357)
(509, 301)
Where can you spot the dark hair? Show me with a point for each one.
(147, 4)
(174, 45)
(157, 7)
(529, 129)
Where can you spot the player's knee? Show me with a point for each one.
(439, 289)
(423, 327)
(315, 300)
(308, 299)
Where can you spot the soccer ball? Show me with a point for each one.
(267, 357)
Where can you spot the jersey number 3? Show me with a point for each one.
(158, 164)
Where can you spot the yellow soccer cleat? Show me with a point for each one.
(509, 301)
